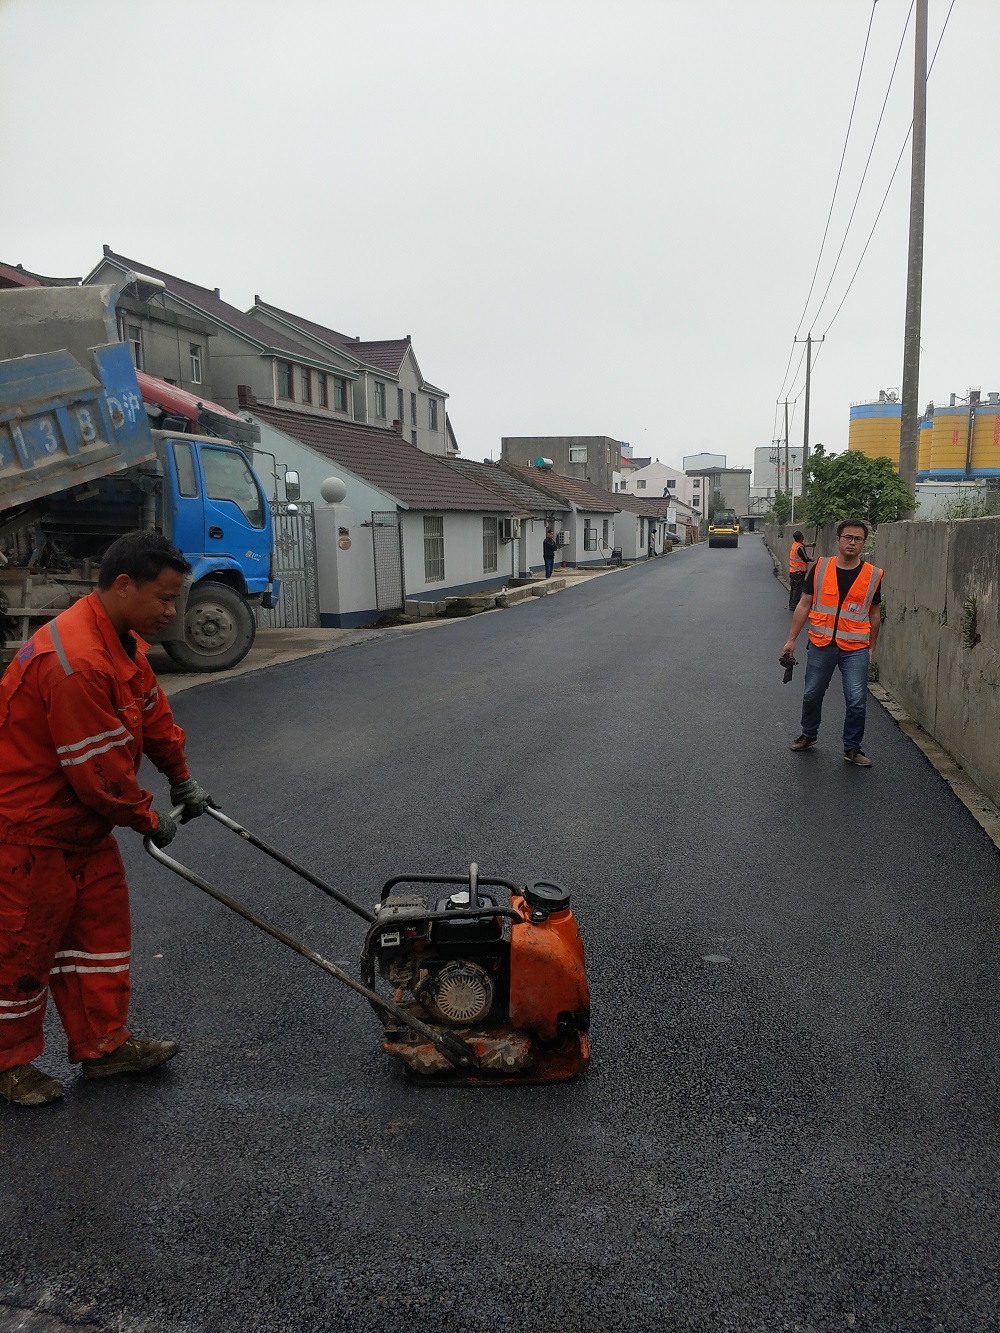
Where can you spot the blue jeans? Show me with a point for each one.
(550, 560)
(820, 666)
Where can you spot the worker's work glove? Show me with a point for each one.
(165, 831)
(193, 797)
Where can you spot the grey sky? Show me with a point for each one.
(593, 218)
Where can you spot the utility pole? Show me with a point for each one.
(909, 424)
(786, 442)
(808, 340)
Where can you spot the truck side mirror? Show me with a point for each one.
(292, 489)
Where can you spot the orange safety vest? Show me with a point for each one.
(854, 626)
(797, 564)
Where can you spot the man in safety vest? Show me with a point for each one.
(840, 598)
(798, 565)
(79, 706)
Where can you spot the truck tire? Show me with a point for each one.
(219, 629)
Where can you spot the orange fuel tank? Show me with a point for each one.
(548, 976)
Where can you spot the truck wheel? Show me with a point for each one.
(219, 629)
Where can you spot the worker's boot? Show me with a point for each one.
(24, 1085)
(132, 1057)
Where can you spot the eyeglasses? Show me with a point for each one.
(845, 538)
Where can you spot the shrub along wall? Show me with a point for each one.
(938, 653)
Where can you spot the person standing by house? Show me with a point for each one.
(840, 599)
(549, 549)
(798, 565)
(79, 707)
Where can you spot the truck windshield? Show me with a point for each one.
(228, 477)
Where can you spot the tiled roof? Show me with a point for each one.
(210, 303)
(17, 275)
(520, 494)
(634, 504)
(384, 459)
(384, 354)
(584, 495)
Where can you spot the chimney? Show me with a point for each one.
(218, 293)
(397, 426)
(407, 337)
(107, 249)
(256, 299)
(245, 396)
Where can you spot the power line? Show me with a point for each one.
(840, 168)
(892, 178)
(864, 174)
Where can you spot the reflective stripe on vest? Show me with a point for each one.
(796, 564)
(854, 626)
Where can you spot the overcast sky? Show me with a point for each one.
(592, 218)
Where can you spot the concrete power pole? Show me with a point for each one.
(809, 340)
(909, 423)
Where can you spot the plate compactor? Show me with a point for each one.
(488, 978)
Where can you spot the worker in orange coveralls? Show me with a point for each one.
(79, 706)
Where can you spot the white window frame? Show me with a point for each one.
(433, 548)
(578, 453)
(640, 485)
(589, 535)
(379, 400)
(135, 343)
(432, 413)
(196, 363)
(489, 545)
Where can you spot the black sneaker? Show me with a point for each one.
(132, 1057)
(24, 1085)
(858, 758)
(804, 743)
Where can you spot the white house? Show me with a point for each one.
(409, 526)
(656, 479)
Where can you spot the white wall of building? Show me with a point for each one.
(651, 481)
(463, 555)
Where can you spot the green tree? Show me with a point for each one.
(781, 506)
(852, 485)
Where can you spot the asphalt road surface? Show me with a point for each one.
(790, 1121)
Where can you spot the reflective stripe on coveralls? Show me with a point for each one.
(854, 626)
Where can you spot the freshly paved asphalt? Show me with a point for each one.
(790, 1122)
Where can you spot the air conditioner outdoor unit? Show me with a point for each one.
(507, 529)
(562, 538)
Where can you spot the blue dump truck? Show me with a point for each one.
(80, 465)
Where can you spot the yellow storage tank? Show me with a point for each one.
(949, 442)
(874, 430)
(924, 448)
(986, 441)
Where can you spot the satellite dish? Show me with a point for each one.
(333, 490)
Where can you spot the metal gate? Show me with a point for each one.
(295, 565)
(387, 549)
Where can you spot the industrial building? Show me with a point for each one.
(959, 441)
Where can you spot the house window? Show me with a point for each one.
(607, 531)
(640, 485)
(195, 362)
(433, 549)
(307, 388)
(672, 482)
(578, 453)
(339, 394)
(413, 437)
(135, 344)
(489, 545)
(624, 485)
(285, 381)
(379, 399)
(432, 413)
(696, 483)
(589, 535)
(399, 406)
(413, 410)
(321, 390)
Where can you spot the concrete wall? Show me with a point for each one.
(346, 578)
(603, 455)
(953, 690)
(932, 569)
(463, 556)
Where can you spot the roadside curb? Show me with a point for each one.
(978, 804)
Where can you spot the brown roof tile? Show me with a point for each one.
(384, 354)
(582, 493)
(210, 303)
(384, 459)
(521, 494)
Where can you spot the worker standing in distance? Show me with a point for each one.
(79, 706)
(798, 566)
(549, 549)
(838, 597)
